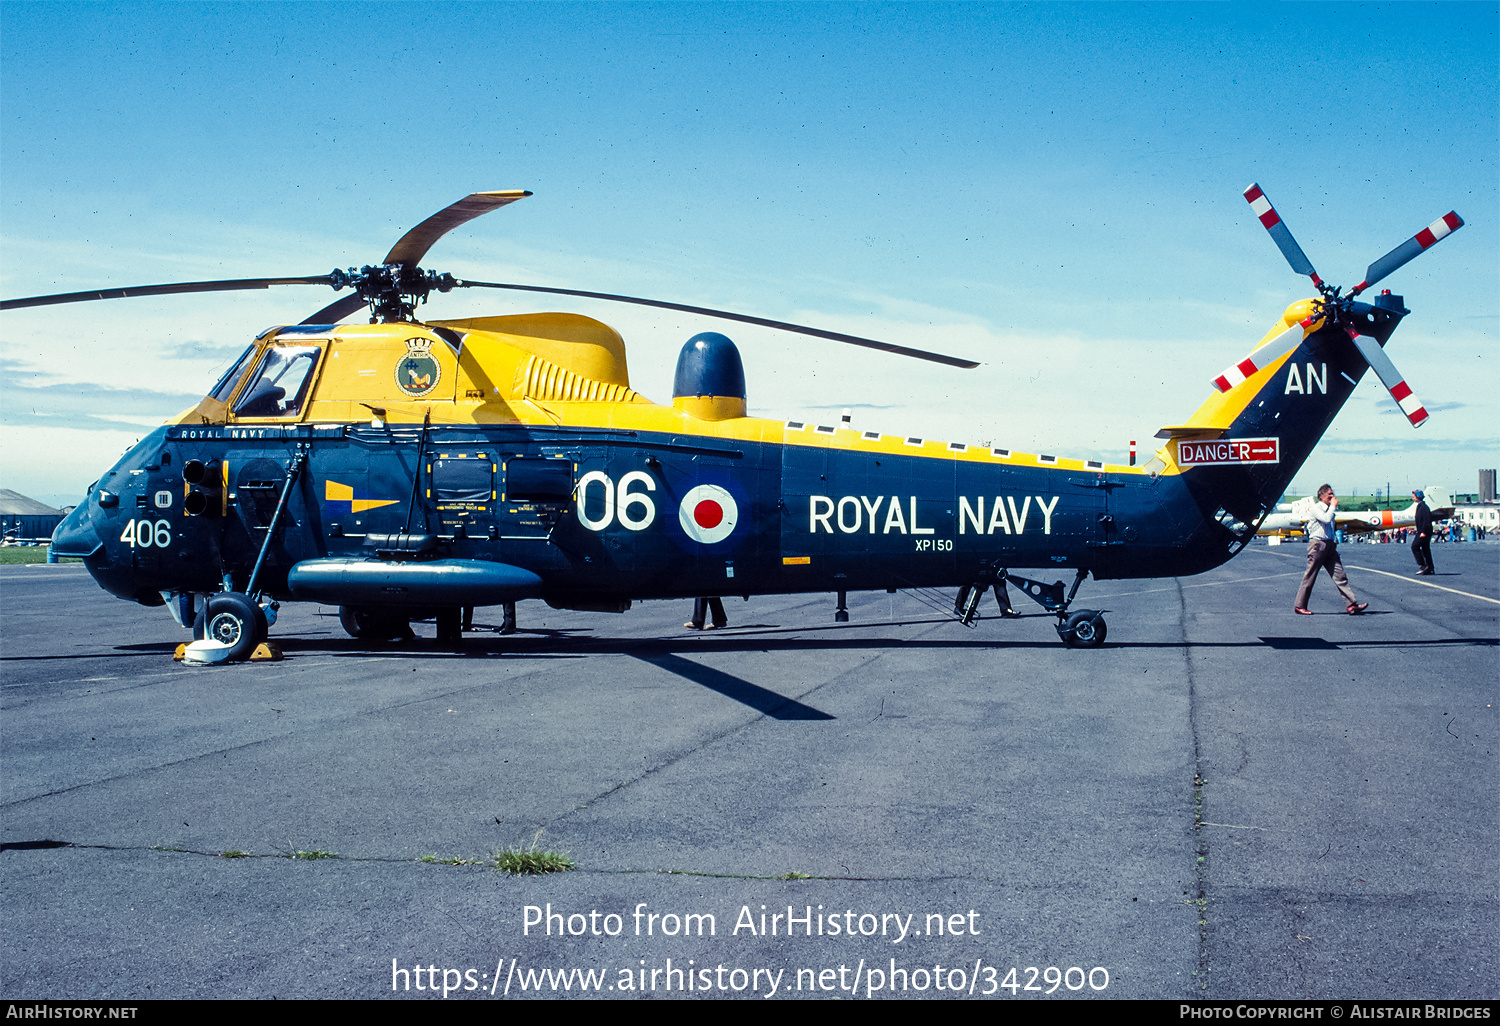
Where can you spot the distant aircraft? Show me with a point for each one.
(1289, 517)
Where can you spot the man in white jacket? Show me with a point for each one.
(1323, 554)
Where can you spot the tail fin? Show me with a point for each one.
(1439, 501)
(1241, 449)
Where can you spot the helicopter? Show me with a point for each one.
(407, 470)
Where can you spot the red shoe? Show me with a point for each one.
(1304, 612)
(1355, 610)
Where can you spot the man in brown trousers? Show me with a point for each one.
(1323, 554)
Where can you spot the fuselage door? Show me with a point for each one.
(461, 487)
(538, 491)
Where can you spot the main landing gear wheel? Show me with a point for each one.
(370, 625)
(1084, 629)
(233, 619)
(450, 625)
(356, 622)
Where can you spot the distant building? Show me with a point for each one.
(24, 520)
(1486, 486)
(1485, 516)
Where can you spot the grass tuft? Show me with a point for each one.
(794, 875)
(233, 854)
(312, 854)
(532, 860)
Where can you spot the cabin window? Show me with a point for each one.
(538, 480)
(462, 481)
(225, 388)
(280, 385)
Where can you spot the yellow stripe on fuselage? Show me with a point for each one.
(503, 378)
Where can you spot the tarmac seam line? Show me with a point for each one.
(1206, 584)
(672, 761)
(486, 864)
(251, 744)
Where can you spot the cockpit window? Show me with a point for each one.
(280, 385)
(225, 388)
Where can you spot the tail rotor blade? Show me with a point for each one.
(1410, 249)
(1263, 356)
(1280, 234)
(1391, 378)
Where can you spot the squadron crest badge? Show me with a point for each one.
(417, 372)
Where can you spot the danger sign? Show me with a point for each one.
(1228, 450)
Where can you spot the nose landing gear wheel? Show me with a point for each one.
(233, 619)
(1083, 629)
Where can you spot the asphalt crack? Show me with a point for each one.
(1198, 901)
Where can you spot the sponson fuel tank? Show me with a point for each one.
(440, 582)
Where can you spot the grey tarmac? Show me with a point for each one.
(1226, 801)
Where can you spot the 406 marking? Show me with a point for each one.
(143, 534)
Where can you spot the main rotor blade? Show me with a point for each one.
(337, 310)
(413, 246)
(1280, 234)
(173, 289)
(1410, 249)
(855, 340)
(1389, 377)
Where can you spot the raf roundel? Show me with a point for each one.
(708, 514)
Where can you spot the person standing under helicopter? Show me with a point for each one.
(705, 607)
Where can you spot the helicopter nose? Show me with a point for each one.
(76, 536)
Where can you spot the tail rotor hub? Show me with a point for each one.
(1336, 309)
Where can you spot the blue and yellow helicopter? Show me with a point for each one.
(407, 470)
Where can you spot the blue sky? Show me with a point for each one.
(1051, 189)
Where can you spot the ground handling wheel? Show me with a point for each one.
(356, 622)
(374, 624)
(1084, 628)
(233, 619)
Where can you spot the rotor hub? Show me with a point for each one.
(393, 291)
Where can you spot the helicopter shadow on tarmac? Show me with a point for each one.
(750, 640)
(672, 654)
